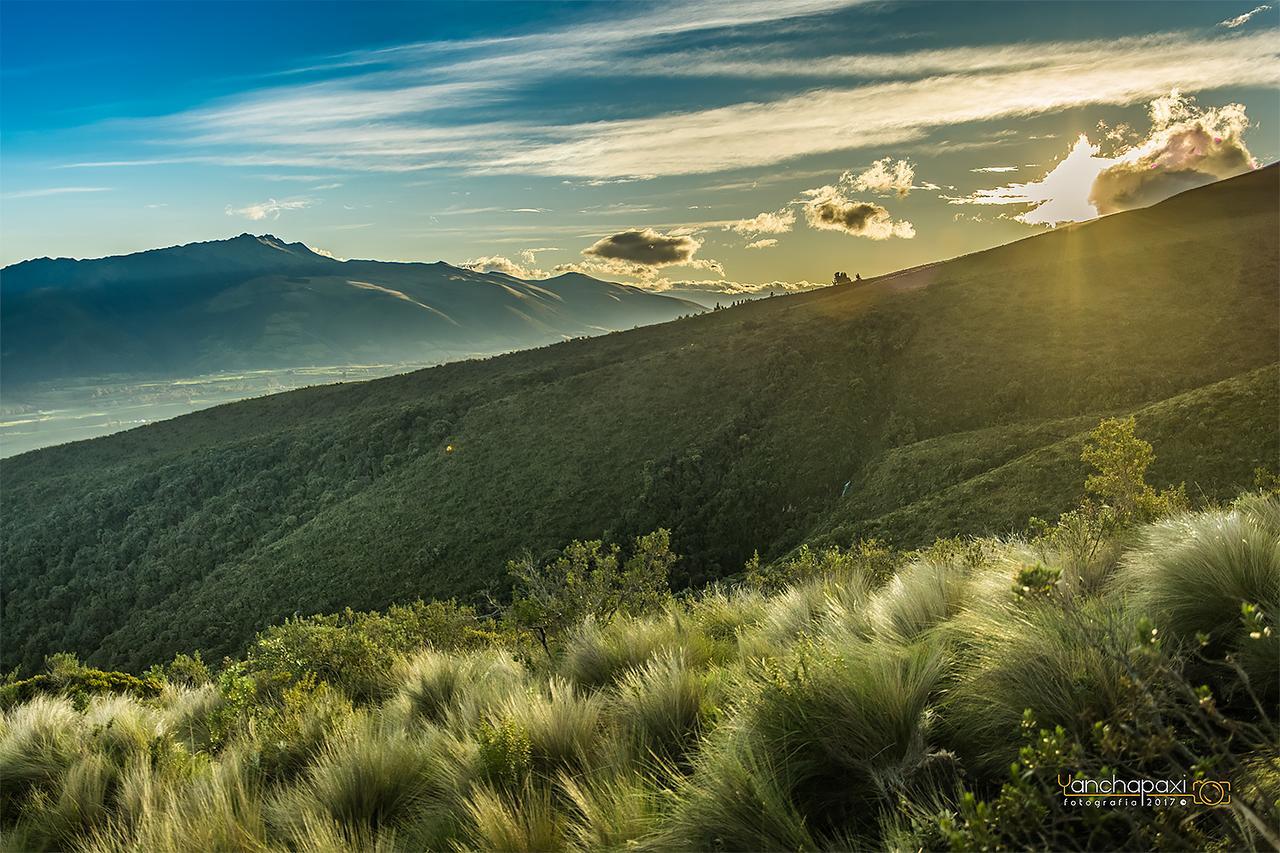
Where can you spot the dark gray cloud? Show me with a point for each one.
(827, 209)
(645, 247)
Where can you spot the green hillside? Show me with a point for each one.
(942, 400)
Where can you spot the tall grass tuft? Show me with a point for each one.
(40, 741)
(597, 655)
(613, 811)
(562, 727)
(522, 823)
(1216, 574)
(217, 808)
(665, 705)
(442, 688)
(1057, 661)
(736, 799)
(371, 778)
(924, 594)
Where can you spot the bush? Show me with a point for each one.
(868, 560)
(589, 580)
(78, 685)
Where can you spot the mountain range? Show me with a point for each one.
(945, 400)
(255, 302)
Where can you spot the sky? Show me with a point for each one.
(731, 146)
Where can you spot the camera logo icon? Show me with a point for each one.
(1211, 792)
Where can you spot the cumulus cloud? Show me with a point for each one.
(641, 252)
(1241, 20)
(1186, 147)
(828, 209)
(884, 177)
(497, 263)
(762, 244)
(769, 222)
(269, 208)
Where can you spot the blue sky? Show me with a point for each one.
(739, 144)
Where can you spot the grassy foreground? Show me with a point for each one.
(845, 699)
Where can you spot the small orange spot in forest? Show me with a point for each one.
(448, 448)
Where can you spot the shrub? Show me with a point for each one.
(589, 579)
(505, 753)
(291, 733)
(78, 685)
(1120, 460)
(868, 560)
(356, 652)
(188, 671)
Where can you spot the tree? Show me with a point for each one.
(841, 278)
(589, 579)
(1121, 460)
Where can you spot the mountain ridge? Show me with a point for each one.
(256, 301)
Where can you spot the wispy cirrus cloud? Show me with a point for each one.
(269, 208)
(879, 115)
(402, 117)
(51, 191)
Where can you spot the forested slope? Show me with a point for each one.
(943, 397)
